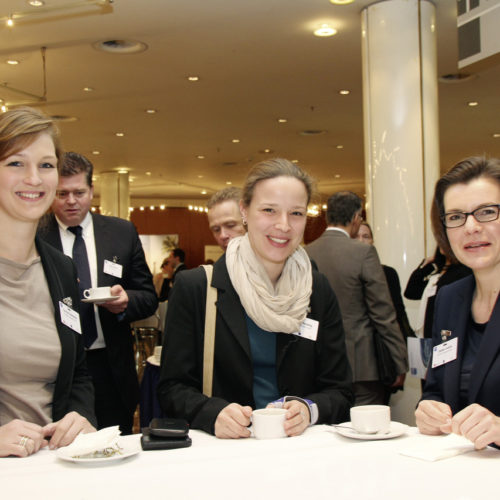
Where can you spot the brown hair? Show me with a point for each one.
(462, 173)
(74, 164)
(22, 126)
(277, 167)
(226, 194)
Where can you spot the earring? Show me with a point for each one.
(244, 222)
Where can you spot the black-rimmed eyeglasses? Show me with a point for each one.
(487, 213)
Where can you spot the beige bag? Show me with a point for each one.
(209, 342)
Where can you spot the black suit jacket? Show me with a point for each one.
(452, 312)
(73, 389)
(117, 240)
(315, 370)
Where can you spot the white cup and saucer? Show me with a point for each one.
(371, 422)
(99, 295)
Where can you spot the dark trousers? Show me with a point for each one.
(371, 393)
(109, 408)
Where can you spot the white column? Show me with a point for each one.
(401, 142)
(400, 127)
(114, 194)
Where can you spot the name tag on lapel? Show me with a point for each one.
(444, 353)
(113, 269)
(308, 329)
(70, 317)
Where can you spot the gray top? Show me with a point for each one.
(30, 350)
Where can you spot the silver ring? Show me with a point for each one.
(23, 441)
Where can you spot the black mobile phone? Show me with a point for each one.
(151, 442)
(169, 427)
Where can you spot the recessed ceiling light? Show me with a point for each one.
(193, 78)
(121, 46)
(141, 209)
(235, 141)
(123, 171)
(337, 176)
(339, 146)
(36, 3)
(344, 92)
(148, 173)
(119, 134)
(162, 207)
(203, 192)
(472, 103)
(200, 157)
(228, 183)
(151, 207)
(324, 207)
(130, 209)
(496, 136)
(325, 30)
(96, 152)
(12, 62)
(88, 89)
(10, 22)
(200, 177)
(282, 120)
(295, 161)
(341, 2)
(151, 111)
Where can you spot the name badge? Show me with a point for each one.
(113, 268)
(308, 329)
(444, 353)
(70, 317)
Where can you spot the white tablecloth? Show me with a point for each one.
(318, 465)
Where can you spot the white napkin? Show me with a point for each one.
(433, 448)
(93, 442)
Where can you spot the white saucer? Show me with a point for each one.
(130, 445)
(152, 360)
(101, 300)
(396, 429)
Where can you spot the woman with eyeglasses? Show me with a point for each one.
(461, 394)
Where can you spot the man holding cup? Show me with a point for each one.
(107, 252)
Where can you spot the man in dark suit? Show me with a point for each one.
(115, 258)
(357, 278)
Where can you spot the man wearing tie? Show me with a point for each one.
(107, 252)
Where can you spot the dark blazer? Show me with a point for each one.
(315, 370)
(355, 274)
(452, 312)
(418, 281)
(73, 389)
(392, 279)
(117, 240)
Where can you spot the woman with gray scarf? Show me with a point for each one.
(279, 338)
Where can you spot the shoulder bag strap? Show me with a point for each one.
(209, 342)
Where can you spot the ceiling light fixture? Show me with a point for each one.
(235, 141)
(12, 62)
(496, 136)
(344, 92)
(148, 173)
(340, 146)
(96, 152)
(88, 89)
(325, 30)
(200, 157)
(282, 120)
(151, 111)
(228, 183)
(472, 103)
(203, 192)
(341, 2)
(36, 3)
(193, 78)
(119, 134)
(9, 22)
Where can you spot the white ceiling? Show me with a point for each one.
(257, 61)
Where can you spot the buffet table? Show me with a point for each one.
(321, 464)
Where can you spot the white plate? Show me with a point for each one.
(101, 300)
(396, 429)
(130, 446)
(152, 360)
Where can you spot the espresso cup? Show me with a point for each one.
(370, 419)
(268, 423)
(101, 292)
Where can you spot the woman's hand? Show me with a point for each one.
(297, 418)
(64, 431)
(233, 421)
(432, 417)
(20, 438)
(477, 424)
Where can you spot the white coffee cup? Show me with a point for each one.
(101, 292)
(268, 423)
(370, 419)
